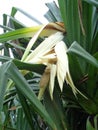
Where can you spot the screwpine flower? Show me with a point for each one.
(52, 52)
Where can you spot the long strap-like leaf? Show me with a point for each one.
(8, 69)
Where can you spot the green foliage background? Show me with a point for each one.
(19, 106)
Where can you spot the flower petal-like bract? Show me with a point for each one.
(62, 62)
(52, 79)
(63, 66)
(52, 52)
(44, 47)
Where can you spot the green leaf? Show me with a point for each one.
(49, 16)
(3, 83)
(63, 6)
(26, 14)
(19, 33)
(53, 13)
(38, 68)
(92, 81)
(6, 28)
(87, 12)
(14, 23)
(26, 109)
(11, 71)
(93, 2)
(4, 58)
(95, 45)
(75, 48)
(89, 126)
(96, 122)
(16, 46)
(13, 11)
(70, 15)
(19, 124)
(4, 21)
(55, 109)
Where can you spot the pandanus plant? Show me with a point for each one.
(49, 73)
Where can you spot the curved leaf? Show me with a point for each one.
(78, 50)
(10, 70)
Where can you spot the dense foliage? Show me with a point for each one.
(73, 106)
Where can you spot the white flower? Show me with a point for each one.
(45, 47)
(61, 68)
(53, 53)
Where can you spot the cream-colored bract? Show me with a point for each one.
(46, 46)
(53, 53)
(63, 72)
(52, 79)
